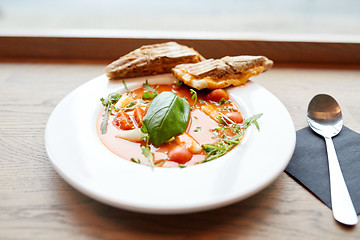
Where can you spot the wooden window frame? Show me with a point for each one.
(97, 47)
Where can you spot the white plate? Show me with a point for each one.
(85, 163)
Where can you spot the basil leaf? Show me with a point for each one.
(167, 116)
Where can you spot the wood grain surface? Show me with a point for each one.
(36, 203)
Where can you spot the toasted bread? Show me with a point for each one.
(221, 73)
(152, 59)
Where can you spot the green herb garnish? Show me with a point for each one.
(225, 143)
(171, 139)
(147, 153)
(194, 95)
(130, 105)
(222, 101)
(125, 86)
(252, 120)
(149, 95)
(160, 163)
(217, 150)
(150, 92)
(135, 160)
(143, 129)
(197, 129)
(109, 104)
(146, 150)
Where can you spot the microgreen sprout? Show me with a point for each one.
(135, 160)
(194, 96)
(150, 92)
(222, 101)
(125, 86)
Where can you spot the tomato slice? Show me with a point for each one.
(123, 121)
(139, 114)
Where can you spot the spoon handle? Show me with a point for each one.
(342, 206)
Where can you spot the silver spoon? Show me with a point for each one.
(325, 118)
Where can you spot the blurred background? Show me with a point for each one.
(232, 17)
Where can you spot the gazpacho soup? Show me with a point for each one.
(171, 125)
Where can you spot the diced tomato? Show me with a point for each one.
(180, 155)
(234, 116)
(139, 114)
(218, 94)
(123, 121)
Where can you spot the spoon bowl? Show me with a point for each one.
(325, 118)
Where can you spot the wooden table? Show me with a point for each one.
(36, 203)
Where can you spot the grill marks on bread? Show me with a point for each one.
(151, 60)
(221, 73)
(188, 66)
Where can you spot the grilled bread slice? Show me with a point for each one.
(221, 73)
(152, 59)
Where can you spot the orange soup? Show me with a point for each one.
(212, 125)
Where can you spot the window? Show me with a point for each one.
(303, 19)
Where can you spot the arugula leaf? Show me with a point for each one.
(147, 153)
(167, 116)
(108, 103)
(225, 143)
(104, 121)
(214, 151)
(252, 120)
(111, 99)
